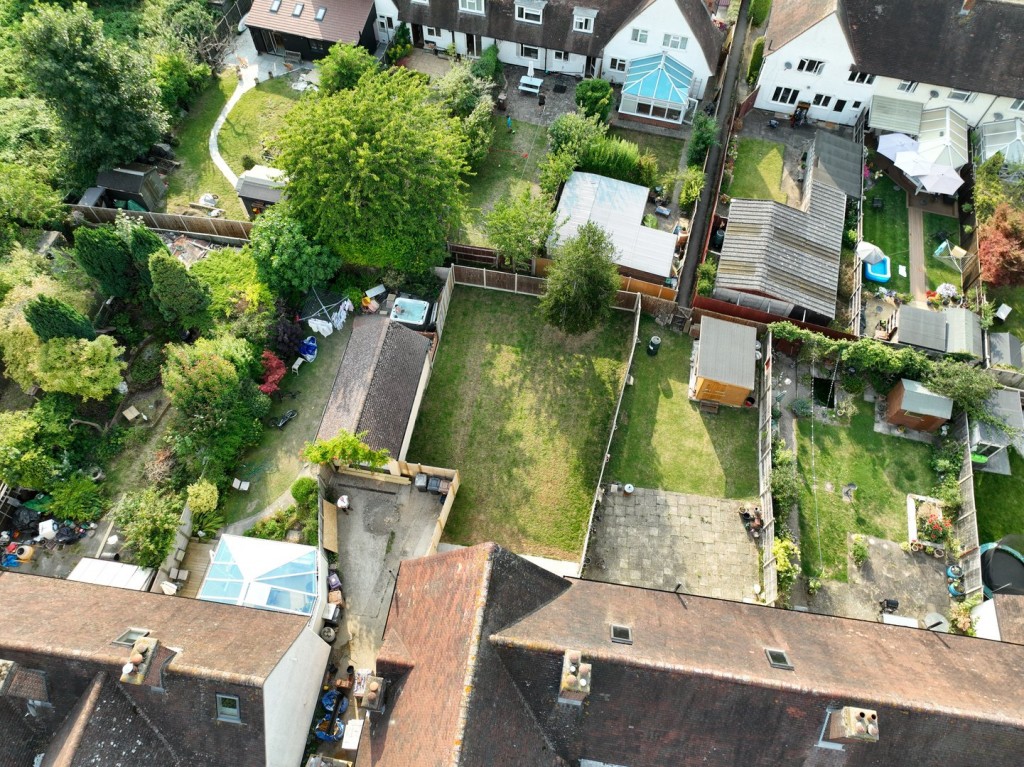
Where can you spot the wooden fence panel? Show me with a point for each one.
(197, 226)
(769, 567)
(966, 523)
(500, 281)
(443, 302)
(468, 275)
(531, 286)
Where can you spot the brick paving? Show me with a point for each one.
(657, 539)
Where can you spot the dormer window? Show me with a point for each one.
(583, 20)
(530, 11)
(275, 6)
(297, 11)
(320, 13)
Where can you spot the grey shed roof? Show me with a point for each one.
(1005, 405)
(923, 401)
(1005, 349)
(838, 162)
(791, 254)
(963, 333)
(921, 327)
(898, 115)
(261, 183)
(726, 352)
(376, 385)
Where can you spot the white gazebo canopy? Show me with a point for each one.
(1006, 136)
(943, 137)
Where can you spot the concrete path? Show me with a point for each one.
(918, 278)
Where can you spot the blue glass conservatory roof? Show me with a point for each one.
(659, 77)
(269, 575)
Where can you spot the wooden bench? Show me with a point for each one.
(530, 84)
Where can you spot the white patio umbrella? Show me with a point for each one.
(912, 163)
(529, 70)
(868, 253)
(941, 179)
(892, 144)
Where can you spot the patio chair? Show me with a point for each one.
(240, 485)
(877, 203)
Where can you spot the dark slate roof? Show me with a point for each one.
(921, 327)
(838, 162)
(786, 253)
(343, 21)
(375, 388)
(1005, 405)
(1005, 350)
(127, 178)
(453, 702)
(930, 42)
(1010, 615)
(726, 352)
(557, 32)
(963, 333)
(791, 18)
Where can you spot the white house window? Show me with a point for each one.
(471, 6)
(840, 105)
(317, 46)
(861, 77)
(228, 709)
(658, 110)
(421, 2)
(786, 95)
(583, 19)
(958, 95)
(639, 35)
(297, 10)
(320, 13)
(856, 105)
(1018, 105)
(275, 6)
(530, 12)
(907, 86)
(432, 32)
(529, 52)
(811, 65)
(674, 41)
(618, 65)
(822, 101)
(561, 55)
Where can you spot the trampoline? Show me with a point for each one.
(879, 272)
(1002, 567)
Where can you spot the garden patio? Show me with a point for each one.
(522, 411)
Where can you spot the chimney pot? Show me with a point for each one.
(851, 724)
(136, 658)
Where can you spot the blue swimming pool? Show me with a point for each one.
(880, 272)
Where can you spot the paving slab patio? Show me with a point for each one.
(657, 539)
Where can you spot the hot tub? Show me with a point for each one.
(413, 312)
(880, 272)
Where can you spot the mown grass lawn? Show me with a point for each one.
(883, 468)
(938, 272)
(197, 174)
(523, 413)
(255, 121)
(664, 441)
(757, 174)
(999, 501)
(511, 164)
(887, 228)
(1013, 296)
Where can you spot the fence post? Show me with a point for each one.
(515, 283)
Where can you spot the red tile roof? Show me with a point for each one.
(343, 20)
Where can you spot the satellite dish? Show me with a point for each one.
(788, 65)
(933, 94)
(757, 355)
(997, 116)
(127, 668)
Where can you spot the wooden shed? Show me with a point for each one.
(136, 182)
(912, 405)
(260, 187)
(725, 363)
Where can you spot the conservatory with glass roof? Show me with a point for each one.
(268, 575)
(657, 87)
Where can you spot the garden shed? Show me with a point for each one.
(618, 206)
(1004, 350)
(260, 187)
(726, 357)
(953, 331)
(913, 405)
(989, 442)
(136, 182)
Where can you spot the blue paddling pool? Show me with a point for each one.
(880, 272)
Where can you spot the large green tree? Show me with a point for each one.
(375, 172)
(52, 318)
(148, 520)
(86, 369)
(180, 297)
(101, 91)
(285, 258)
(26, 199)
(343, 65)
(519, 226)
(582, 282)
(103, 255)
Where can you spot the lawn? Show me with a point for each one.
(664, 441)
(883, 468)
(887, 228)
(273, 465)
(667, 150)
(1012, 295)
(757, 174)
(938, 271)
(511, 164)
(523, 413)
(255, 121)
(197, 174)
(999, 501)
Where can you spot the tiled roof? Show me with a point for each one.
(216, 641)
(930, 41)
(791, 18)
(1010, 614)
(375, 388)
(343, 19)
(453, 702)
